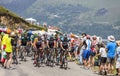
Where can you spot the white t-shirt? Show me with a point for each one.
(118, 53)
(103, 52)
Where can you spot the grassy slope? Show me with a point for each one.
(4, 12)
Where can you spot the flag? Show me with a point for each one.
(3, 56)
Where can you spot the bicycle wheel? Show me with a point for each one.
(65, 63)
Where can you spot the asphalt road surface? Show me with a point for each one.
(27, 69)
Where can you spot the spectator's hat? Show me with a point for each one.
(12, 34)
(118, 43)
(2, 33)
(111, 38)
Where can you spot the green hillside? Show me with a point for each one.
(16, 19)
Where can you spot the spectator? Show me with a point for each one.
(111, 47)
(103, 59)
(83, 47)
(8, 51)
(86, 53)
(118, 59)
(93, 50)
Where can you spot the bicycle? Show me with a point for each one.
(39, 58)
(64, 59)
(57, 56)
(51, 57)
(23, 53)
(29, 48)
(15, 60)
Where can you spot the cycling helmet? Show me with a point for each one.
(12, 34)
(8, 31)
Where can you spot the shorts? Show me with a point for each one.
(92, 53)
(111, 60)
(72, 49)
(8, 55)
(66, 47)
(117, 64)
(86, 54)
(39, 51)
(34, 49)
(103, 60)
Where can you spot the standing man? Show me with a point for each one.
(86, 53)
(118, 58)
(111, 47)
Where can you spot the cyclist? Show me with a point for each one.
(14, 42)
(64, 48)
(39, 47)
(29, 42)
(45, 48)
(35, 48)
(51, 46)
(57, 49)
(23, 46)
(51, 42)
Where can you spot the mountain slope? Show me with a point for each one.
(100, 17)
(28, 8)
(11, 20)
(17, 6)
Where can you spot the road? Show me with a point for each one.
(27, 69)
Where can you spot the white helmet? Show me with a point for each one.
(12, 34)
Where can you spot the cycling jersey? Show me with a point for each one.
(24, 41)
(51, 42)
(65, 42)
(32, 37)
(14, 41)
(29, 36)
(39, 44)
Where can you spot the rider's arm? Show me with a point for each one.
(42, 45)
(61, 46)
(48, 44)
(54, 44)
(69, 46)
(34, 43)
(19, 42)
